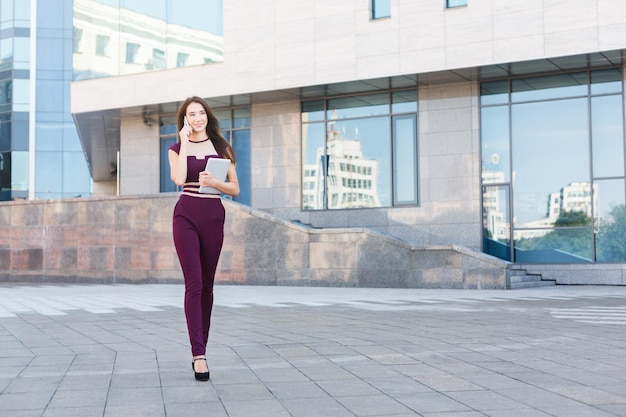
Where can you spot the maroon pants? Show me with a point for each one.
(198, 228)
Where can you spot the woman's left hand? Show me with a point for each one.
(206, 179)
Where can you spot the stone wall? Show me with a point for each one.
(128, 239)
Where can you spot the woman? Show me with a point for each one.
(198, 223)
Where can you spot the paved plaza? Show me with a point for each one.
(123, 351)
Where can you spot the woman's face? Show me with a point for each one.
(197, 117)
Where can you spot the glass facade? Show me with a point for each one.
(235, 126)
(553, 168)
(60, 169)
(360, 151)
(118, 37)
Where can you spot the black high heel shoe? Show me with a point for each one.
(200, 376)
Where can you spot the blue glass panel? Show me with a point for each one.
(495, 92)
(241, 118)
(167, 185)
(405, 159)
(495, 152)
(76, 178)
(241, 146)
(381, 8)
(404, 102)
(358, 106)
(313, 111)
(48, 172)
(607, 135)
(554, 246)
(606, 81)
(550, 87)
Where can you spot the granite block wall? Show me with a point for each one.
(128, 239)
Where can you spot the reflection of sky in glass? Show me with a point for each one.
(185, 12)
(551, 150)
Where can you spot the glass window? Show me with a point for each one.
(566, 162)
(405, 159)
(358, 106)
(607, 136)
(167, 185)
(181, 59)
(241, 145)
(606, 81)
(455, 3)
(185, 37)
(132, 52)
(381, 8)
(241, 118)
(494, 92)
(314, 167)
(554, 246)
(347, 159)
(77, 40)
(610, 221)
(404, 102)
(158, 58)
(550, 87)
(550, 153)
(497, 221)
(102, 45)
(495, 152)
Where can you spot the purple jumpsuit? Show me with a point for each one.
(198, 229)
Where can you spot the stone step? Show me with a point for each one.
(529, 281)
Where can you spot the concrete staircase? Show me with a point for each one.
(520, 278)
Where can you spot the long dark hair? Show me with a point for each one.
(213, 130)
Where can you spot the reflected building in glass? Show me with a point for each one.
(351, 179)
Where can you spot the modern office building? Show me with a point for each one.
(494, 126)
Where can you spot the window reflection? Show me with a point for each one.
(610, 221)
(567, 165)
(550, 152)
(347, 158)
(125, 37)
(550, 87)
(554, 246)
(607, 136)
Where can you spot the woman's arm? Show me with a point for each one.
(230, 186)
(178, 165)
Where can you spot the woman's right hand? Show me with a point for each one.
(185, 132)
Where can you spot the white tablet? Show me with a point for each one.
(218, 167)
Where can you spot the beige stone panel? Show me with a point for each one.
(565, 15)
(335, 59)
(372, 66)
(611, 12)
(500, 7)
(571, 42)
(337, 26)
(515, 49)
(461, 29)
(289, 10)
(422, 60)
(447, 143)
(462, 55)
(450, 189)
(612, 36)
(518, 24)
